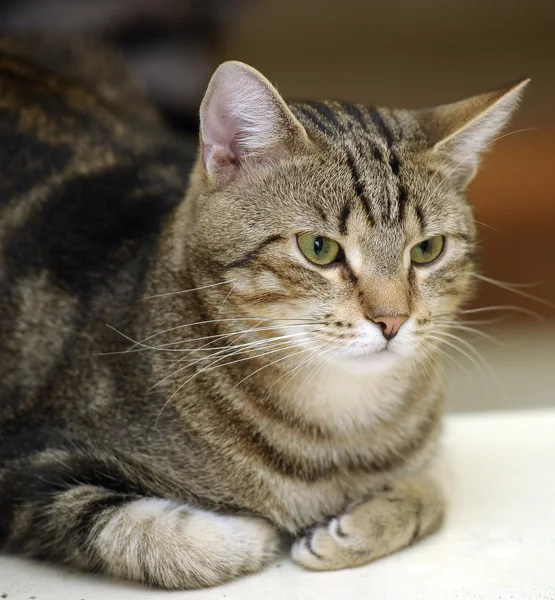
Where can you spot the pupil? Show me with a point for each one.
(425, 246)
(318, 245)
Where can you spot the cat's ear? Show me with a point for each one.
(457, 133)
(243, 118)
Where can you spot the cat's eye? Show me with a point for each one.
(427, 251)
(318, 249)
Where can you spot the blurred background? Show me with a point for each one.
(411, 53)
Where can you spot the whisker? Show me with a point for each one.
(489, 227)
(164, 347)
(232, 319)
(495, 321)
(318, 368)
(241, 333)
(485, 365)
(247, 347)
(507, 283)
(453, 318)
(518, 309)
(225, 300)
(470, 358)
(202, 287)
(467, 344)
(514, 288)
(264, 367)
(256, 328)
(203, 370)
(472, 330)
(301, 367)
(292, 344)
(445, 355)
(430, 356)
(421, 362)
(224, 353)
(313, 353)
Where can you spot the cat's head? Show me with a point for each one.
(342, 224)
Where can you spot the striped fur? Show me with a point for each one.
(178, 385)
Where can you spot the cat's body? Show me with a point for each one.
(119, 462)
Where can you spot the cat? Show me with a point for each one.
(202, 352)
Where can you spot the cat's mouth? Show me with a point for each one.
(369, 358)
(370, 354)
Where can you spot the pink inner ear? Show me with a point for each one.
(220, 162)
(213, 155)
(219, 138)
(243, 120)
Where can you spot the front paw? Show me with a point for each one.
(336, 545)
(390, 520)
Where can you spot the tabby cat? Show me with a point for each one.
(200, 355)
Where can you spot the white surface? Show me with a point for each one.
(498, 542)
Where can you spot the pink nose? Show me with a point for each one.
(390, 325)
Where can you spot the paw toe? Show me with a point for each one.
(321, 550)
(305, 554)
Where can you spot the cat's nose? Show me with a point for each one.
(390, 325)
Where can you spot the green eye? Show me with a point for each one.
(318, 249)
(428, 250)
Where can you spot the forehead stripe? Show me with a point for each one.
(382, 127)
(344, 217)
(308, 113)
(356, 114)
(328, 113)
(359, 187)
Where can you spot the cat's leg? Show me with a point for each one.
(389, 520)
(55, 512)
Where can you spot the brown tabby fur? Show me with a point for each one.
(117, 458)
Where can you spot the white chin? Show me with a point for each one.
(369, 362)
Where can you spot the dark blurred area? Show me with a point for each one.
(407, 54)
(172, 44)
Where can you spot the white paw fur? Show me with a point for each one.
(170, 545)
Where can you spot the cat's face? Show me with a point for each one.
(347, 226)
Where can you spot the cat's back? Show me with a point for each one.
(88, 174)
(70, 114)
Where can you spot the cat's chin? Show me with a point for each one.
(365, 361)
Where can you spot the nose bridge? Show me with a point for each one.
(384, 297)
(384, 290)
